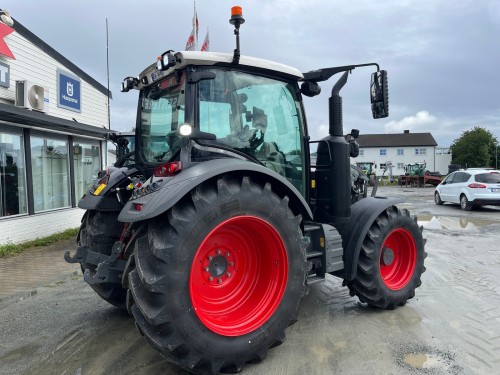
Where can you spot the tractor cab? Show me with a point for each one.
(237, 111)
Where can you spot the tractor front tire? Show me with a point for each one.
(99, 231)
(391, 260)
(372, 179)
(219, 276)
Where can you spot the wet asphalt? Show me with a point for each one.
(51, 322)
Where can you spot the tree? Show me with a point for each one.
(474, 148)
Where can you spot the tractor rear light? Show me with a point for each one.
(168, 169)
(138, 206)
(475, 185)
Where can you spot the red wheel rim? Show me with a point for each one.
(398, 259)
(238, 276)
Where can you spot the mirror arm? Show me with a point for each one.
(325, 73)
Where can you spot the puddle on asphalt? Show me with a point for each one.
(453, 223)
(421, 360)
(432, 361)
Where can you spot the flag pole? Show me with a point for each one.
(195, 27)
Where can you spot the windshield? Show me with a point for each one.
(256, 115)
(163, 110)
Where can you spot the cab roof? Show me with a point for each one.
(185, 58)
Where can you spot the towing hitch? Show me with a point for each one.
(81, 254)
(109, 268)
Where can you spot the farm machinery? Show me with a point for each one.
(210, 237)
(416, 174)
(369, 168)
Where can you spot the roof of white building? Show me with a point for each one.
(405, 139)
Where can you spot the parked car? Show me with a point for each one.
(469, 188)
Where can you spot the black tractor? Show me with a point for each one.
(212, 235)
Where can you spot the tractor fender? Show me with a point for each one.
(176, 187)
(363, 214)
(89, 201)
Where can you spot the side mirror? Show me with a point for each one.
(379, 94)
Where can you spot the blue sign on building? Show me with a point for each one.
(69, 91)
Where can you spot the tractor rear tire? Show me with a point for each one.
(99, 231)
(391, 260)
(219, 276)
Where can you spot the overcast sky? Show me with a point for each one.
(442, 56)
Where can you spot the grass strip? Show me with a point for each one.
(11, 249)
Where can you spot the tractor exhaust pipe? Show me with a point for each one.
(334, 189)
(335, 108)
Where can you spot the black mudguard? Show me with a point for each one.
(90, 201)
(175, 188)
(363, 213)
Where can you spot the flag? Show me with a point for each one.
(205, 47)
(190, 45)
(193, 37)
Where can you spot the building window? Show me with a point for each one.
(49, 159)
(383, 152)
(12, 172)
(401, 165)
(86, 164)
(361, 152)
(401, 151)
(420, 151)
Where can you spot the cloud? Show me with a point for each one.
(445, 129)
(441, 56)
(421, 122)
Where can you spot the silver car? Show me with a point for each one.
(469, 188)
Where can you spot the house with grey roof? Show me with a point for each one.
(397, 150)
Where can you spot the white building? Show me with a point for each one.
(53, 120)
(403, 148)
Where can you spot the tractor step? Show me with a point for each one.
(325, 252)
(314, 254)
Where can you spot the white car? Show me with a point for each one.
(469, 188)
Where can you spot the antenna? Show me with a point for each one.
(107, 70)
(236, 20)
